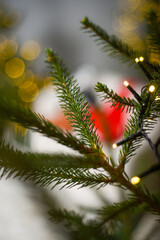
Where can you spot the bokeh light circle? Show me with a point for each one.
(10, 49)
(30, 50)
(14, 67)
(28, 92)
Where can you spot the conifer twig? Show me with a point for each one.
(36, 122)
(77, 227)
(114, 46)
(115, 99)
(115, 210)
(73, 102)
(44, 170)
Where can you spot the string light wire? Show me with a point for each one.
(141, 132)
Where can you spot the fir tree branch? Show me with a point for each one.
(121, 50)
(114, 46)
(77, 226)
(115, 99)
(73, 102)
(44, 169)
(36, 122)
(153, 27)
(58, 215)
(115, 210)
(129, 148)
(141, 194)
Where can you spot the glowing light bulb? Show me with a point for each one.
(141, 59)
(126, 84)
(149, 120)
(114, 145)
(135, 180)
(152, 88)
(137, 60)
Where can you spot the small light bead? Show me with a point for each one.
(114, 145)
(135, 180)
(126, 83)
(152, 88)
(141, 59)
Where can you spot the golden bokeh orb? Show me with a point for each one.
(14, 67)
(28, 91)
(16, 81)
(10, 49)
(30, 50)
(3, 42)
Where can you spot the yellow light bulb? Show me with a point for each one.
(135, 180)
(152, 88)
(114, 145)
(141, 59)
(137, 60)
(149, 120)
(126, 84)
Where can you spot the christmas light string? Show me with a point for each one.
(139, 62)
(135, 94)
(141, 132)
(131, 137)
(136, 179)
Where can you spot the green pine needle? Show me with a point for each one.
(117, 101)
(73, 102)
(36, 122)
(111, 44)
(44, 169)
(115, 210)
(78, 227)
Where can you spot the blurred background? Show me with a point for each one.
(27, 28)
